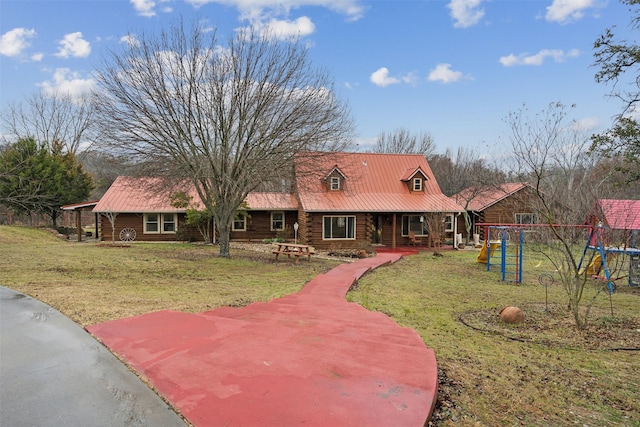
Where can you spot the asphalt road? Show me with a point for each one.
(54, 373)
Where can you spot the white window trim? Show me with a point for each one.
(175, 223)
(335, 183)
(339, 238)
(533, 216)
(449, 225)
(283, 221)
(417, 184)
(146, 221)
(244, 224)
(160, 222)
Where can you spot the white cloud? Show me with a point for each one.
(381, 78)
(538, 58)
(37, 57)
(67, 81)
(466, 13)
(144, 7)
(130, 39)
(74, 45)
(443, 73)
(564, 11)
(283, 28)
(13, 42)
(252, 8)
(587, 124)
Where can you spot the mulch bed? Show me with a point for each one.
(553, 325)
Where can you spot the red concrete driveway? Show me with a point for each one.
(308, 358)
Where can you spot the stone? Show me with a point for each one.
(511, 314)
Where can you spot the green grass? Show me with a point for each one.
(536, 374)
(494, 379)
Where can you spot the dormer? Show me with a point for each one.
(415, 180)
(335, 179)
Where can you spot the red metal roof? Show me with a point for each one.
(489, 196)
(620, 214)
(74, 206)
(374, 183)
(271, 201)
(138, 195)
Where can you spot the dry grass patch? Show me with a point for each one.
(540, 373)
(92, 284)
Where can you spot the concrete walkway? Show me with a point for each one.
(308, 358)
(53, 373)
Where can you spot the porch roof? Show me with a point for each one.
(144, 195)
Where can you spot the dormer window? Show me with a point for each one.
(415, 180)
(335, 183)
(334, 180)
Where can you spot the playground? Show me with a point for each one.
(600, 253)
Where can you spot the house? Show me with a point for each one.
(509, 203)
(142, 209)
(341, 200)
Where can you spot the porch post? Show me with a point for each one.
(393, 229)
(97, 217)
(79, 224)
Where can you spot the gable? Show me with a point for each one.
(335, 180)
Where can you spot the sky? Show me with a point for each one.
(452, 68)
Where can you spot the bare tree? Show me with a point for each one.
(111, 216)
(224, 118)
(49, 118)
(402, 141)
(465, 175)
(550, 152)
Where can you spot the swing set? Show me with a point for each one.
(604, 254)
(499, 237)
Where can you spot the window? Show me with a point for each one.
(169, 223)
(448, 223)
(151, 223)
(239, 223)
(335, 183)
(417, 184)
(526, 218)
(338, 227)
(155, 223)
(277, 221)
(415, 223)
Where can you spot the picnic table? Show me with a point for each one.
(292, 249)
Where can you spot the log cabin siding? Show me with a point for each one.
(136, 222)
(258, 226)
(315, 228)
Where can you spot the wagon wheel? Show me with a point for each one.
(128, 235)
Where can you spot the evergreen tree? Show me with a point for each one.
(36, 180)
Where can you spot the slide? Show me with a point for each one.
(482, 257)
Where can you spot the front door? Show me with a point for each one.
(376, 230)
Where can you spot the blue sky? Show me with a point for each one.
(453, 68)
